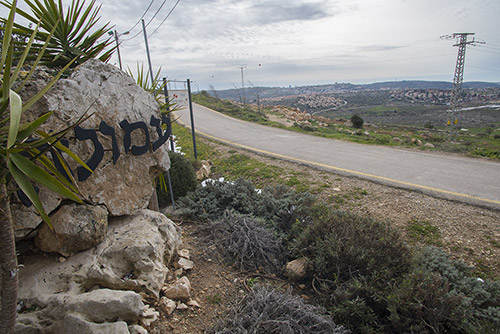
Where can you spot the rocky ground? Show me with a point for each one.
(468, 232)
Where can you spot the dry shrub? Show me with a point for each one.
(266, 311)
(243, 241)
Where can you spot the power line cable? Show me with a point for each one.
(147, 9)
(485, 68)
(157, 11)
(487, 51)
(161, 6)
(166, 17)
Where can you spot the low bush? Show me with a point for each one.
(345, 246)
(424, 303)
(356, 262)
(481, 298)
(280, 207)
(244, 242)
(357, 121)
(183, 179)
(265, 311)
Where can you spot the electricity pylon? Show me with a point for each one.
(458, 78)
(242, 82)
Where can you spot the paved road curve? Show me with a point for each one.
(459, 178)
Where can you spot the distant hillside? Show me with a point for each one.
(269, 92)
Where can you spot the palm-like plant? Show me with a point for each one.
(71, 39)
(23, 160)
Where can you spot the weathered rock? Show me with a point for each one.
(149, 316)
(73, 323)
(136, 329)
(429, 145)
(397, 139)
(184, 253)
(193, 303)
(134, 256)
(185, 264)
(182, 307)
(27, 323)
(204, 171)
(297, 269)
(136, 253)
(122, 127)
(77, 227)
(167, 305)
(179, 291)
(102, 305)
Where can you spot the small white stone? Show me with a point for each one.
(185, 264)
(184, 253)
(182, 306)
(193, 303)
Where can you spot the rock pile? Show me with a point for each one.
(92, 289)
(113, 253)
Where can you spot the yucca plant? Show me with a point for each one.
(75, 37)
(154, 86)
(23, 160)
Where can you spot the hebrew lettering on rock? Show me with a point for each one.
(110, 131)
(162, 135)
(96, 158)
(127, 139)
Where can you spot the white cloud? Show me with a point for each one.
(309, 41)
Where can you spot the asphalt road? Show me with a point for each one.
(475, 181)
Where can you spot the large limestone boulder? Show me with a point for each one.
(122, 141)
(135, 254)
(94, 288)
(76, 227)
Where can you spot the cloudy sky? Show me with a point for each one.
(299, 42)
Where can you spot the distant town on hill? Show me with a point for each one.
(272, 92)
(394, 102)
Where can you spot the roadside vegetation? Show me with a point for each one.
(475, 141)
(365, 274)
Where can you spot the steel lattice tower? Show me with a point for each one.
(458, 78)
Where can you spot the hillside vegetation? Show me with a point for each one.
(475, 141)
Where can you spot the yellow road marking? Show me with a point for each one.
(414, 185)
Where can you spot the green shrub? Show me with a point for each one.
(279, 206)
(428, 125)
(424, 303)
(357, 121)
(266, 310)
(481, 298)
(244, 242)
(345, 246)
(183, 178)
(356, 261)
